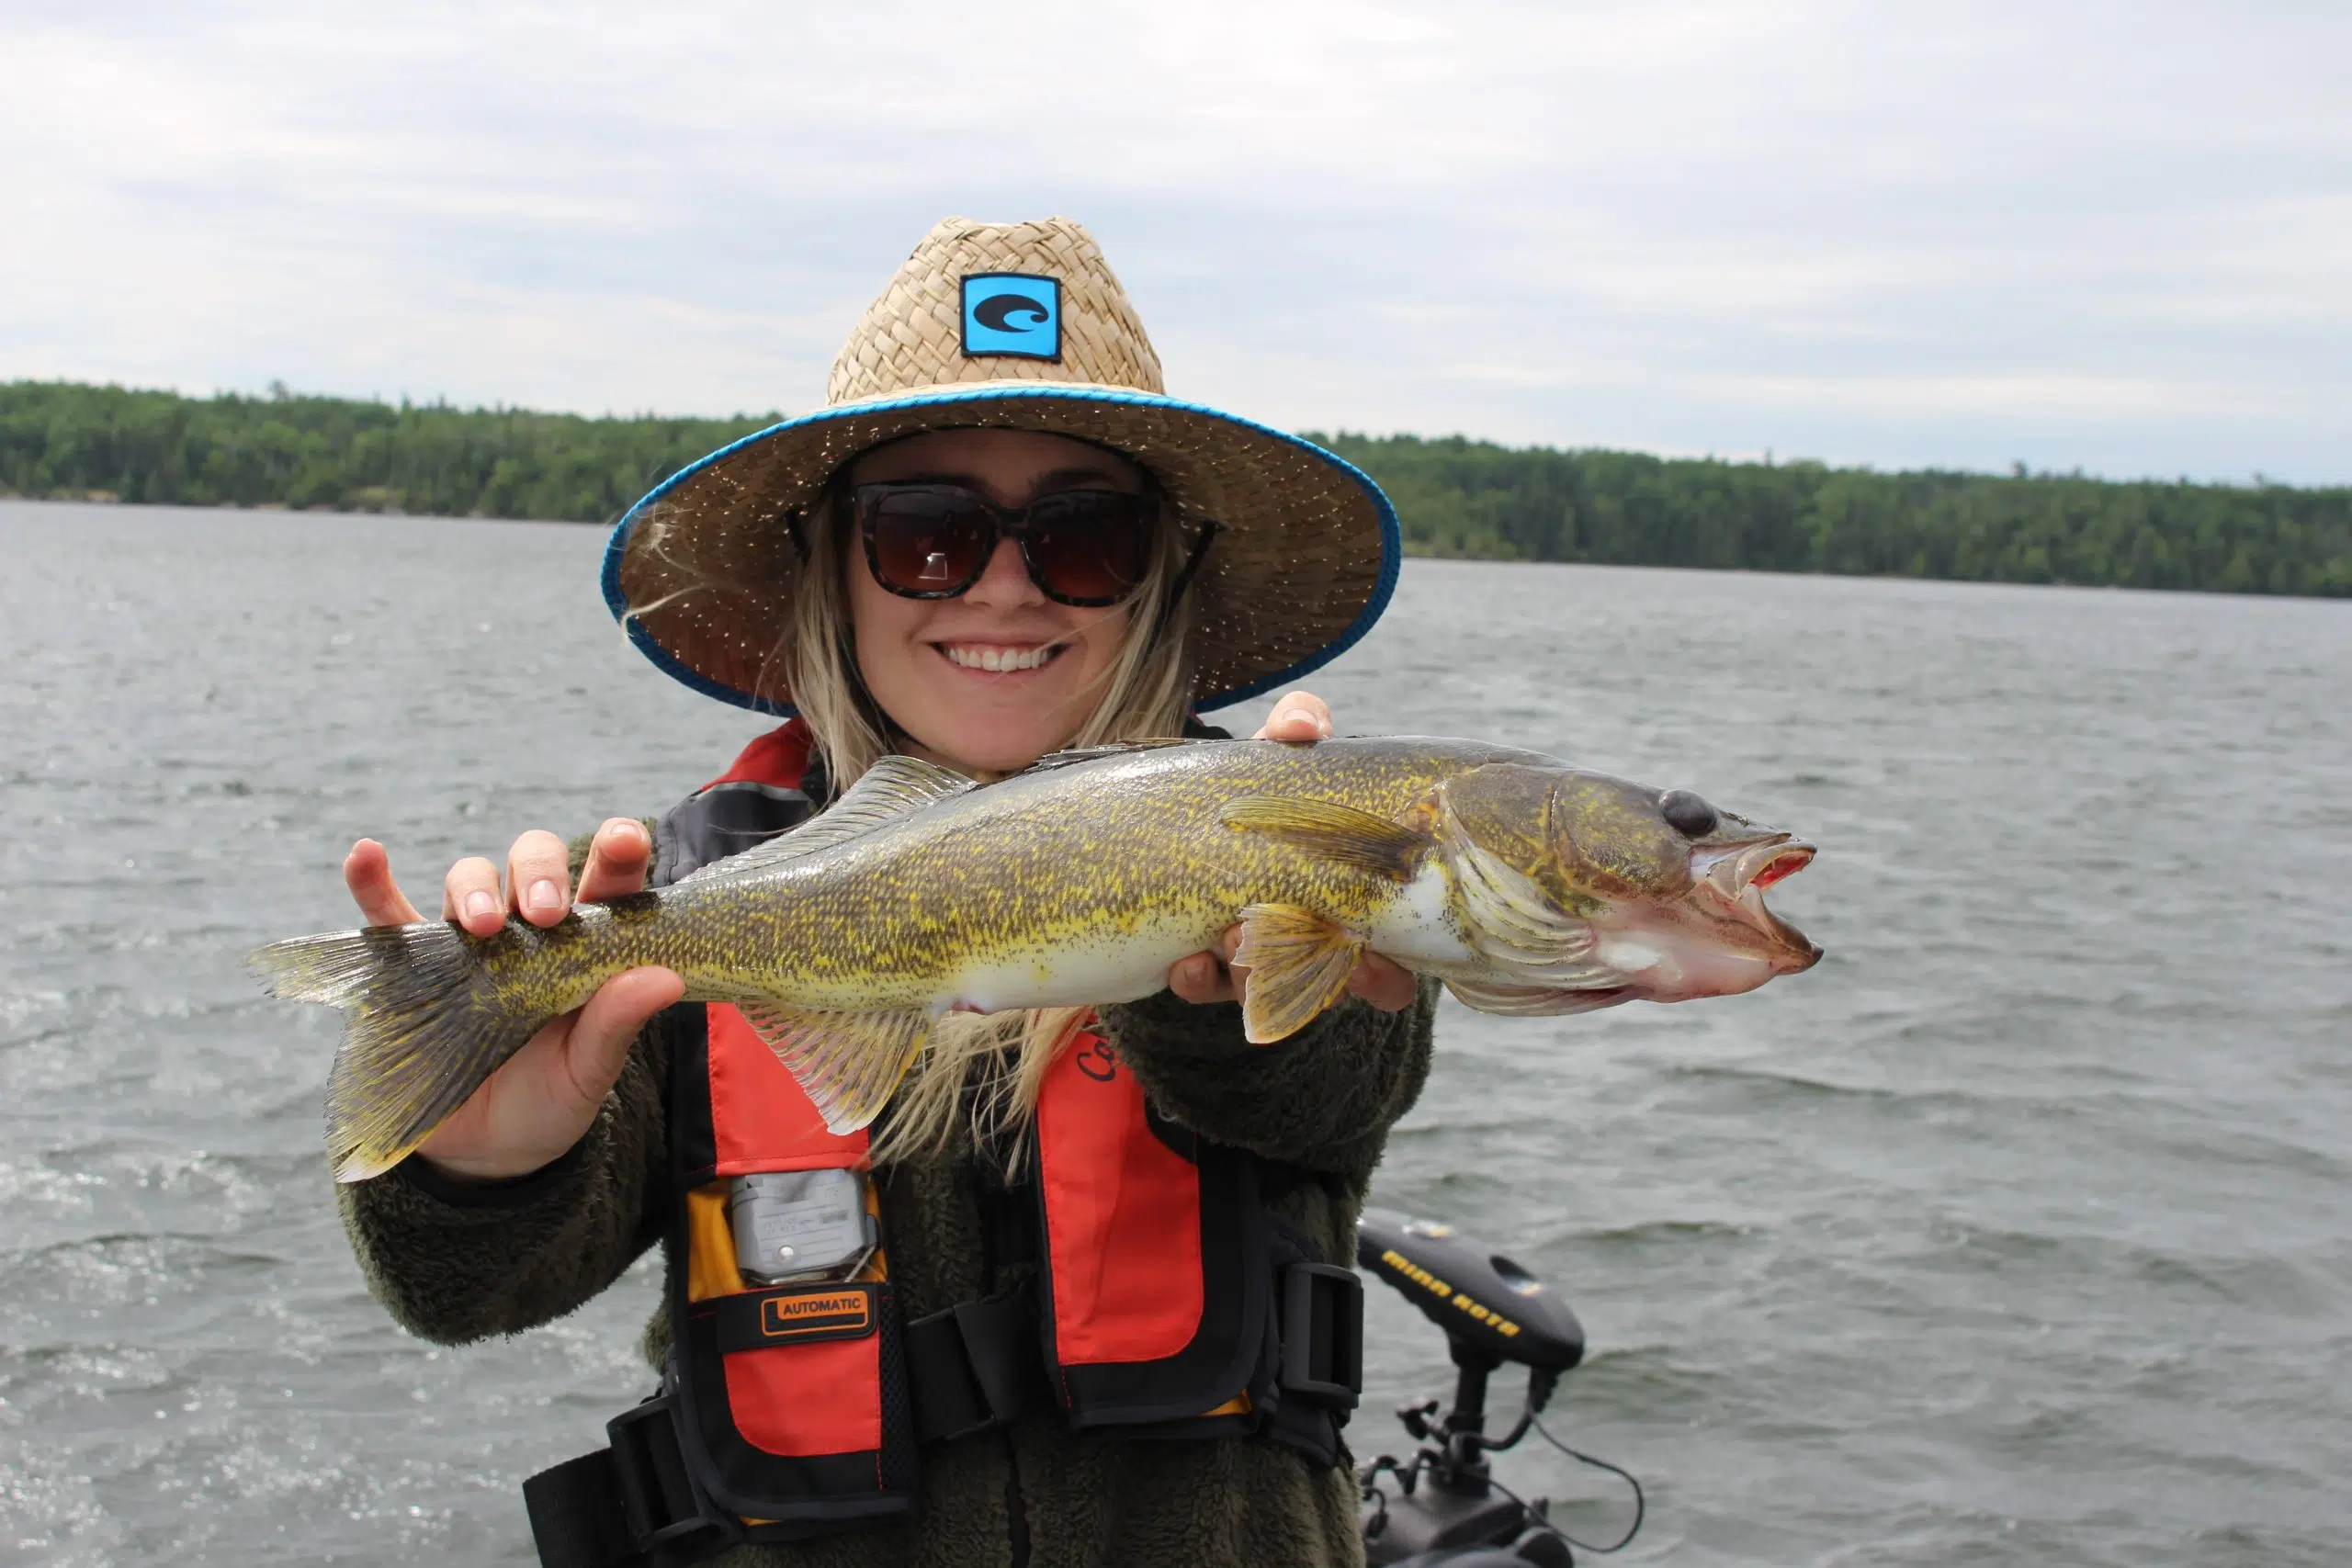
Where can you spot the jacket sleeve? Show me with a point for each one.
(1324, 1099)
(455, 1261)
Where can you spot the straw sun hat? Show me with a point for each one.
(1016, 326)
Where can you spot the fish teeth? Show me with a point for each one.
(998, 660)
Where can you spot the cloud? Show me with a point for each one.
(2112, 236)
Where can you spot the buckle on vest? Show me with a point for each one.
(670, 1515)
(974, 1366)
(633, 1504)
(1322, 1308)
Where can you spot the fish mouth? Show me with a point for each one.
(1732, 879)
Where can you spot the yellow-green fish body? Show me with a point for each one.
(1528, 886)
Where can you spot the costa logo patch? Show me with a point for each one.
(802, 1316)
(1014, 313)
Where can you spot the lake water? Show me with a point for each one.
(2018, 1231)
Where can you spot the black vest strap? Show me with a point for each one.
(1318, 1336)
(976, 1366)
(634, 1505)
(576, 1518)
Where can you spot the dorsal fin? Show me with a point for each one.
(1095, 754)
(885, 792)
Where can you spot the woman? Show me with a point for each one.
(1102, 1323)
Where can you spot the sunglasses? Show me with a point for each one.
(1080, 546)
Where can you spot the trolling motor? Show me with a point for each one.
(1449, 1511)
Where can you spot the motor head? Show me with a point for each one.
(1481, 1299)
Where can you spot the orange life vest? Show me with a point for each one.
(1166, 1300)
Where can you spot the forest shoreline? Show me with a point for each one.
(1456, 498)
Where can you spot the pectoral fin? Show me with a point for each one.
(1333, 831)
(1298, 963)
(849, 1062)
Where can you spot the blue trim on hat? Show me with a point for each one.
(1392, 541)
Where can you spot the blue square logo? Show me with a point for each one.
(1012, 312)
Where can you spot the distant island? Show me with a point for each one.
(1456, 496)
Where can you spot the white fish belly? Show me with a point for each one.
(1112, 967)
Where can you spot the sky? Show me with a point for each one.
(2112, 237)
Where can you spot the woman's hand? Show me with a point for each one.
(546, 1096)
(1299, 719)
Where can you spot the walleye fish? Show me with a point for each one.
(1527, 885)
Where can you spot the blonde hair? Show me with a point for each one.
(977, 1083)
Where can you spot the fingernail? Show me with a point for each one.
(1293, 715)
(479, 903)
(543, 897)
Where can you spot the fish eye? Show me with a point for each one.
(1686, 813)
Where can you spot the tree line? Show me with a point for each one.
(1455, 496)
(65, 439)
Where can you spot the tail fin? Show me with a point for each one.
(424, 1025)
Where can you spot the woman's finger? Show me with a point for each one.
(1201, 978)
(617, 857)
(368, 872)
(1383, 984)
(1210, 976)
(609, 1024)
(469, 896)
(1301, 719)
(538, 877)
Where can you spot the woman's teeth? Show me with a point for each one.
(981, 655)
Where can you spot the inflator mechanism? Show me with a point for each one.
(1449, 1510)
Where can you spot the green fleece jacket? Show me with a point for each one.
(458, 1263)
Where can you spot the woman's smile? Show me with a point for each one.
(1000, 658)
